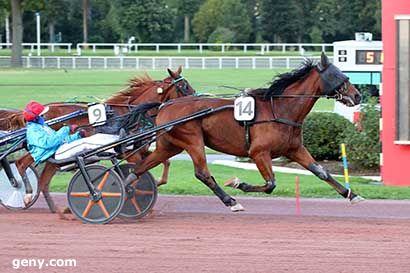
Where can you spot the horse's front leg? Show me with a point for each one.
(304, 158)
(264, 164)
(48, 172)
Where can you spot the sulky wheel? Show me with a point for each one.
(12, 197)
(141, 194)
(110, 195)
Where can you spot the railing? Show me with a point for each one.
(33, 46)
(156, 63)
(262, 47)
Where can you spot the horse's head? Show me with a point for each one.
(175, 86)
(335, 83)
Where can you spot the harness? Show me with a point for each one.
(334, 86)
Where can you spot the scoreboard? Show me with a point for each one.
(361, 60)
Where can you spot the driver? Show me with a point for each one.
(43, 141)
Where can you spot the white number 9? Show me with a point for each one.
(97, 114)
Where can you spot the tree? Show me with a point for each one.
(283, 21)
(54, 10)
(85, 19)
(104, 22)
(148, 21)
(207, 19)
(187, 9)
(229, 14)
(17, 36)
(17, 7)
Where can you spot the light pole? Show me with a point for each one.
(38, 33)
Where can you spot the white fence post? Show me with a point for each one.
(253, 63)
(203, 63)
(89, 63)
(287, 62)
(220, 62)
(58, 62)
(43, 62)
(236, 62)
(137, 63)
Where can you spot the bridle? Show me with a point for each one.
(335, 85)
(181, 85)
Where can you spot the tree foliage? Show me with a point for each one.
(229, 14)
(147, 21)
(165, 20)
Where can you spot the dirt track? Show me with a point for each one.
(198, 234)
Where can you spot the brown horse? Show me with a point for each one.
(275, 131)
(11, 119)
(141, 90)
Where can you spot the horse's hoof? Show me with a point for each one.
(233, 182)
(28, 197)
(66, 210)
(357, 199)
(160, 182)
(237, 207)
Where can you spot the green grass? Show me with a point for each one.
(165, 52)
(17, 87)
(182, 181)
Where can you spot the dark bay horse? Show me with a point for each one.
(275, 131)
(141, 90)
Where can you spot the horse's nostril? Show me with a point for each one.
(358, 98)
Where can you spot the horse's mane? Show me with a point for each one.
(135, 88)
(11, 119)
(282, 81)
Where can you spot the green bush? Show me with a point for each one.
(221, 35)
(363, 145)
(323, 133)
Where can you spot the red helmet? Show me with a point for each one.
(33, 110)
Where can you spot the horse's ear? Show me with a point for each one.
(179, 70)
(324, 61)
(171, 73)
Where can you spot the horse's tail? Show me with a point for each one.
(11, 120)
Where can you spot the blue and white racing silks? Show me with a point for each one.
(43, 142)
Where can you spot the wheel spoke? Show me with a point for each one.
(134, 184)
(88, 208)
(111, 194)
(80, 194)
(104, 210)
(103, 180)
(142, 192)
(134, 202)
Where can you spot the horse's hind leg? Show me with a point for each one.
(22, 164)
(144, 154)
(304, 158)
(263, 162)
(197, 154)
